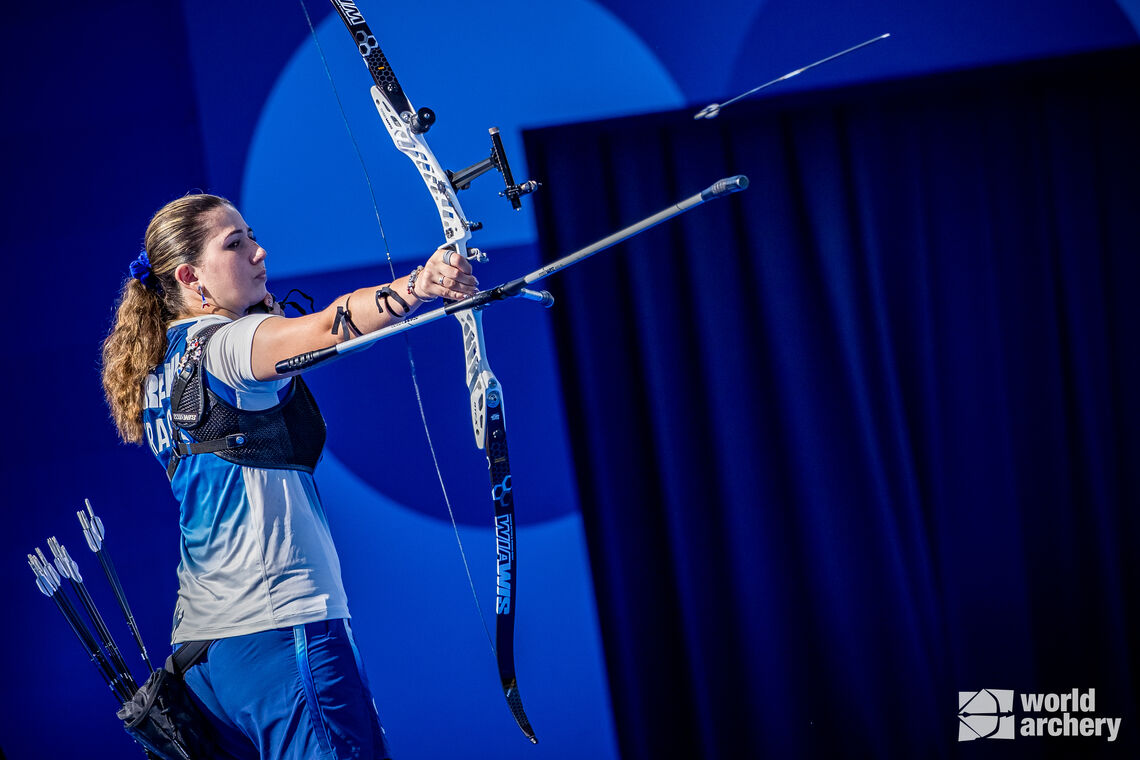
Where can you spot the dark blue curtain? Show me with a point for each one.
(864, 436)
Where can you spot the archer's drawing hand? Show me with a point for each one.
(267, 305)
(272, 306)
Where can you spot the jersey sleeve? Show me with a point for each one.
(229, 356)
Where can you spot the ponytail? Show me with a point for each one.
(176, 235)
(135, 346)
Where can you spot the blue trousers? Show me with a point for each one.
(289, 694)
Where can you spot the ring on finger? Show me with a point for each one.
(440, 280)
(447, 257)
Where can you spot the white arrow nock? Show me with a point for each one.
(92, 528)
(63, 561)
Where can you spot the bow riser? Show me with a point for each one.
(456, 229)
(480, 378)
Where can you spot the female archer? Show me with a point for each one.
(190, 368)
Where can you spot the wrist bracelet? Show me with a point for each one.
(412, 280)
(412, 285)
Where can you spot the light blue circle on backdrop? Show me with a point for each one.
(476, 66)
(1131, 9)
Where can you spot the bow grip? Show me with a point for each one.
(304, 361)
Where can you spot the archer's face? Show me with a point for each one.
(232, 268)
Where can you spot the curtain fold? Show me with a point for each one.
(865, 435)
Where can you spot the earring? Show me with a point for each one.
(204, 304)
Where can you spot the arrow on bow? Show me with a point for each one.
(407, 127)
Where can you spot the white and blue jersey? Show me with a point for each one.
(256, 552)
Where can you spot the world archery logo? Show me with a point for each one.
(985, 714)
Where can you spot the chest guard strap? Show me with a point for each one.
(288, 436)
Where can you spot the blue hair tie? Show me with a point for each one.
(141, 271)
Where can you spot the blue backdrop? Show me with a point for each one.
(864, 436)
(112, 110)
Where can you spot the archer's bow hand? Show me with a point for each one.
(445, 274)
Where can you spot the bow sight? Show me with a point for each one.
(423, 119)
(461, 180)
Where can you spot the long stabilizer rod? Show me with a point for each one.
(515, 288)
(718, 189)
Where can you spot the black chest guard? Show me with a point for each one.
(288, 436)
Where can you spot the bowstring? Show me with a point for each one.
(407, 340)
